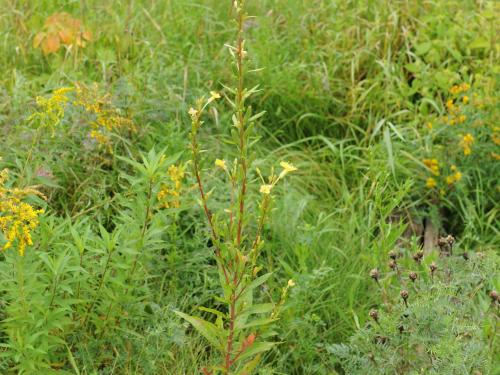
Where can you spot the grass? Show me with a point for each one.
(347, 88)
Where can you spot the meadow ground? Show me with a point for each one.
(381, 120)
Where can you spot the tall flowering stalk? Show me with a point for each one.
(241, 328)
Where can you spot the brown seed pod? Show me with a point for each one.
(374, 315)
(494, 296)
(465, 255)
(413, 276)
(375, 274)
(433, 267)
(418, 256)
(393, 255)
(393, 265)
(404, 295)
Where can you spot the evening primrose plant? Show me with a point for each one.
(243, 320)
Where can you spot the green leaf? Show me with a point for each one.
(254, 284)
(207, 329)
(422, 48)
(256, 348)
(479, 43)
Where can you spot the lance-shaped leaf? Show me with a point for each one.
(206, 329)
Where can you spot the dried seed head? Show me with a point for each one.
(374, 314)
(417, 257)
(392, 264)
(401, 328)
(494, 296)
(375, 274)
(413, 276)
(433, 267)
(404, 295)
(465, 255)
(393, 255)
(450, 239)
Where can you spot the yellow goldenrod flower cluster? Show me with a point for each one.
(17, 218)
(466, 142)
(433, 165)
(169, 194)
(107, 117)
(51, 110)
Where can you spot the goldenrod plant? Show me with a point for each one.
(240, 331)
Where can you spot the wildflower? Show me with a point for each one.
(461, 119)
(464, 87)
(266, 189)
(51, 110)
(221, 164)
(214, 95)
(287, 168)
(291, 283)
(433, 165)
(466, 143)
(429, 125)
(430, 183)
(17, 218)
(169, 194)
(465, 99)
(449, 104)
(193, 113)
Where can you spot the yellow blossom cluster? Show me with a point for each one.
(433, 165)
(17, 218)
(107, 117)
(51, 110)
(458, 89)
(267, 187)
(169, 194)
(454, 111)
(466, 143)
(455, 177)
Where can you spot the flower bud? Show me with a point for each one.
(413, 276)
(374, 315)
(375, 274)
(494, 296)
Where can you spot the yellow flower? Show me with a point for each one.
(429, 125)
(457, 176)
(449, 104)
(221, 164)
(453, 167)
(430, 183)
(266, 189)
(433, 165)
(291, 283)
(465, 99)
(17, 218)
(193, 113)
(466, 143)
(288, 167)
(461, 119)
(214, 95)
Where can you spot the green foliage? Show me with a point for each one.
(437, 319)
(347, 87)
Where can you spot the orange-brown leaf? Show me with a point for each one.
(66, 36)
(51, 44)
